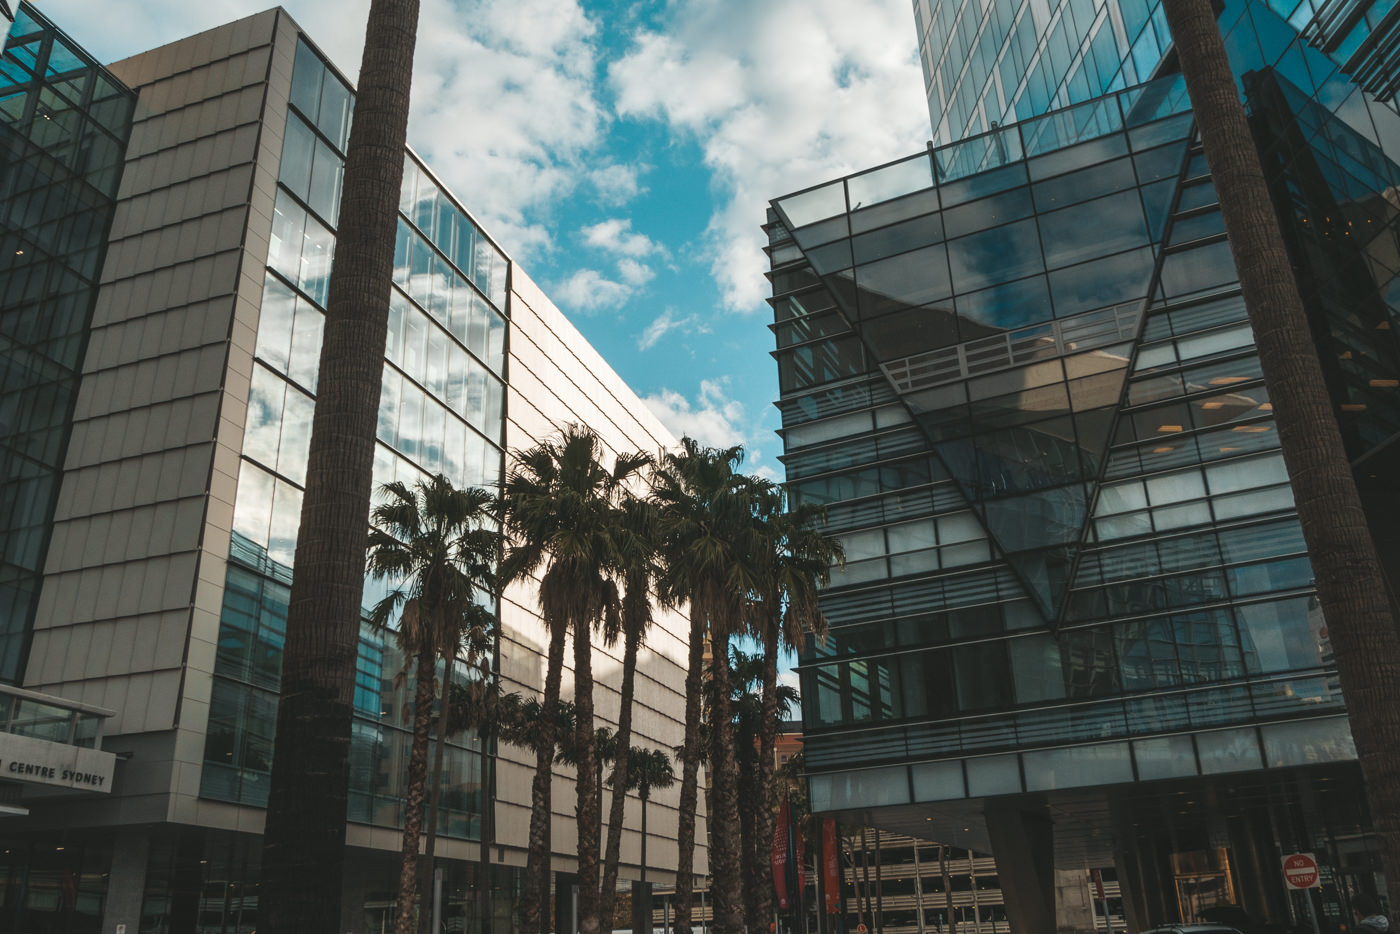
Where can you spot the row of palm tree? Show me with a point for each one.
(606, 538)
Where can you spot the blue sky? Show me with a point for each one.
(623, 153)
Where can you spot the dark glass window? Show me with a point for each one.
(987, 213)
(1101, 283)
(1093, 229)
(915, 278)
(1026, 301)
(1084, 184)
(898, 238)
(995, 256)
(983, 676)
(910, 331)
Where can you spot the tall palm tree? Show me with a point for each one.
(562, 515)
(303, 855)
(650, 769)
(799, 560)
(706, 516)
(478, 704)
(523, 722)
(469, 702)
(1351, 587)
(752, 718)
(438, 544)
(640, 571)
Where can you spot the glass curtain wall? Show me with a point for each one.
(994, 63)
(1018, 372)
(442, 408)
(64, 124)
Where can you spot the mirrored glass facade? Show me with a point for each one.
(1017, 371)
(442, 411)
(64, 123)
(990, 64)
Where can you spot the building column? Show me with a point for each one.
(1023, 844)
(126, 883)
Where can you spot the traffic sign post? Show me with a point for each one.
(1300, 873)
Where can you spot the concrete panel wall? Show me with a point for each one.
(134, 582)
(555, 378)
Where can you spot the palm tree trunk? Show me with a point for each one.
(414, 793)
(690, 772)
(536, 895)
(727, 890)
(619, 783)
(587, 809)
(750, 875)
(1351, 587)
(767, 740)
(425, 865)
(303, 856)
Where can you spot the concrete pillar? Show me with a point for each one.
(126, 884)
(1023, 844)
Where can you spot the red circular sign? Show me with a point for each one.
(1300, 871)
(861, 929)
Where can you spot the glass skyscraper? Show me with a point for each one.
(64, 122)
(1076, 624)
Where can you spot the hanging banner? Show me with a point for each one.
(780, 857)
(831, 866)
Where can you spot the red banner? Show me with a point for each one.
(780, 857)
(831, 866)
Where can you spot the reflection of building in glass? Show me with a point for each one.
(63, 125)
(166, 583)
(1077, 613)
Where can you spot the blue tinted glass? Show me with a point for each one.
(306, 81)
(1093, 229)
(994, 256)
(1101, 283)
(1008, 306)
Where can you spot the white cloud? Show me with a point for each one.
(780, 95)
(616, 184)
(714, 419)
(669, 321)
(634, 273)
(615, 235)
(789, 677)
(589, 290)
(504, 109)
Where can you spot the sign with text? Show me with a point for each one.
(41, 762)
(1300, 871)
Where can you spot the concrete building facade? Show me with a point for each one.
(164, 586)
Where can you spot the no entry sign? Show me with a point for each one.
(1300, 871)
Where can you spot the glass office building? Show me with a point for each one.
(990, 64)
(172, 409)
(64, 121)
(1076, 625)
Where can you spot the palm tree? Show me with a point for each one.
(523, 723)
(303, 855)
(799, 560)
(562, 511)
(478, 704)
(750, 722)
(1351, 587)
(439, 545)
(709, 539)
(640, 571)
(649, 769)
